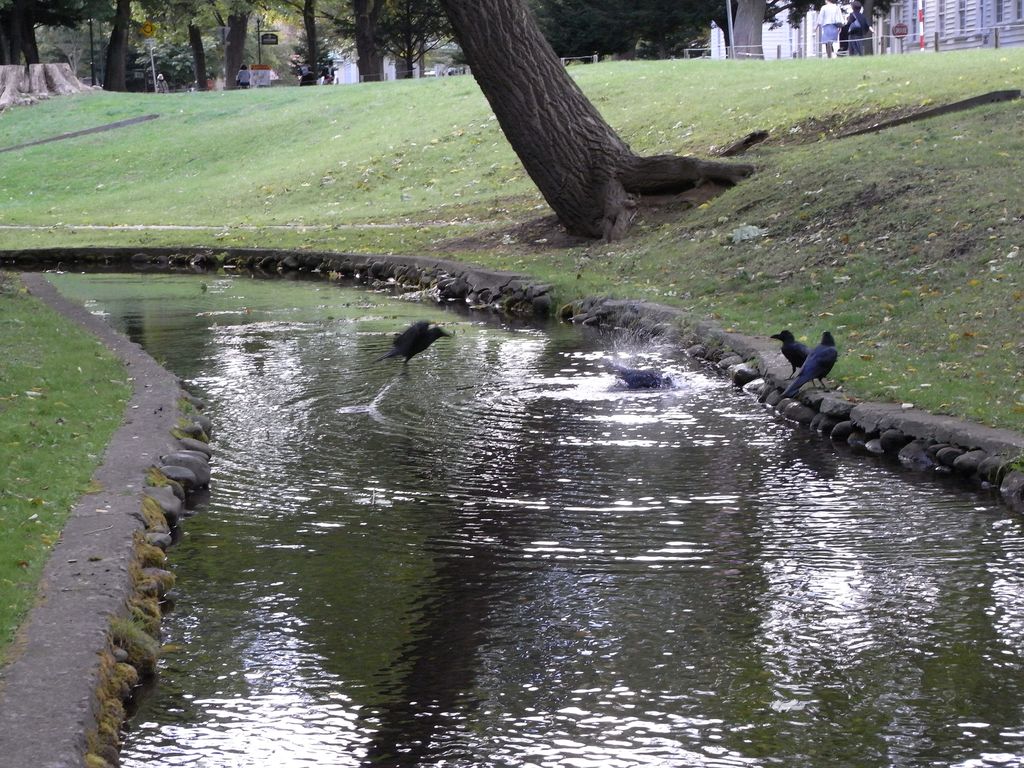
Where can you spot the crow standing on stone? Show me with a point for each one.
(635, 378)
(792, 350)
(414, 340)
(817, 365)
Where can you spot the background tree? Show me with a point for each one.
(409, 29)
(117, 48)
(195, 44)
(645, 28)
(237, 23)
(182, 22)
(748, 28)
(366, 15)
(361, 22)
(586, 172)
(19, 20)
(586, 27)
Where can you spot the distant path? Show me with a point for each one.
(73, 134)
(230, 227)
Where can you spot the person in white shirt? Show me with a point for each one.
(830, 21)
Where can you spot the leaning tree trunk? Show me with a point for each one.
(195, 42)
(587, 174)
(21, 85)
(117, 50)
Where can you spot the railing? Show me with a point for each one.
(592, 59)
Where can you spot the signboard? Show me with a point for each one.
(261, 76)
(268, 38)
(900, 30)
(148, 28)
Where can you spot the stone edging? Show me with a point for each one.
(84, 644)
(439, 279)
(917, 439)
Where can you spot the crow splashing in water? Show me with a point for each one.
(635, 378)
(414, 339)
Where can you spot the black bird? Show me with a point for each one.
(414, 340)
(792, 350)
(635, 378)
(817, 365)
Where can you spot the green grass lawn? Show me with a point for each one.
(62, 395)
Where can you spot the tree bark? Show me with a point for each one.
(869, 40)
(309, 23)
(234, 47)
(117, 49)
(195, 41)
(15, 24)
(29, 46)
(749, 25)
(586, 172)
(369, 59)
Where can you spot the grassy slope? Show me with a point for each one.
(61, 397)
(899, 242)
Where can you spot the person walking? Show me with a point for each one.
(244, 76)
(830, 20)
(859, 29)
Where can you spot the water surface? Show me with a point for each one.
(495, 556)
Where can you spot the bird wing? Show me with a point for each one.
(817, 366)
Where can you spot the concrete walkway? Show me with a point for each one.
(47, 691)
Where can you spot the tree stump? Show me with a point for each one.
(20, 85)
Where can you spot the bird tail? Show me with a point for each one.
(386, 355)
(793, 388)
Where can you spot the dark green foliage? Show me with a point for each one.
(646, 28)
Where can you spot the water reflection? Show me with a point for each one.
(495, 556)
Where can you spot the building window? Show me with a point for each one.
(961, 11)
(999, 12)
(940, 22)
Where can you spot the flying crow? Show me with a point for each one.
(414, 340)
(635, 378)
(817, 365)
(792, 350)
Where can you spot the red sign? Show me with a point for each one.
(899, 29)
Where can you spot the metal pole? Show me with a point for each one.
(152, 63)
(732, 34)
(920, 25)
(92, 56)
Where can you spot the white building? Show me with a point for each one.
(912, 25)
(779, 40)
(346, 71)
(955, 24)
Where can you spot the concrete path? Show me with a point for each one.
(47, 702)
